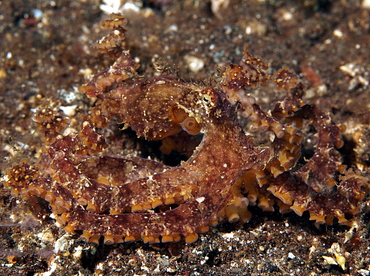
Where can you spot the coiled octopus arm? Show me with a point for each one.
(93, 185)
(323, 186)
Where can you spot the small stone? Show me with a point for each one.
(195, 63)
(291, 256)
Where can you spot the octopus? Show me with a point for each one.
(128, 198)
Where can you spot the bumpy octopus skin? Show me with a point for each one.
(128, 198)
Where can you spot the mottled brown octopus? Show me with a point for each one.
(132, 198)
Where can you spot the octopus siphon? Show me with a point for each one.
(119, 199)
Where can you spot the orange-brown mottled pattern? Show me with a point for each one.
(130, 198)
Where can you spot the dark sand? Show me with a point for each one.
(46, 53)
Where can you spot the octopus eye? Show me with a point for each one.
(209, 97)
(191, 126)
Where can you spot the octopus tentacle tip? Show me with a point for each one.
(126, 198)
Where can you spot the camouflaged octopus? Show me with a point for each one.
(131, 198)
